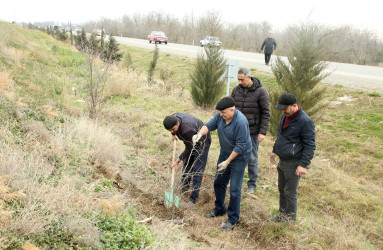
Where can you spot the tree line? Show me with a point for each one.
(344, 44)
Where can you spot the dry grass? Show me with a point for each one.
(119, 84)
(106, 147)
(32, 175)
(114, 204)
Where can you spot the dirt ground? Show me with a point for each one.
(187, 226)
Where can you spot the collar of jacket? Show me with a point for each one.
(256, 84)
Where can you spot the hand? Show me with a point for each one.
(272, 158)
(174, 138)
(223, 165)
(196, 138)
(175, 164)
(261, 137)
(300, 171)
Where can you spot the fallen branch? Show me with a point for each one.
(145, 220)
(252, 196)
(244, 243)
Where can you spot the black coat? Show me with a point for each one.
(253, 102)
(297, 141)
(189, 126)
(270, 44)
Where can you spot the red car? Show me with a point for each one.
(157, 37)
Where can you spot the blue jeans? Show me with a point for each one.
(194, 169)
(252, 169)
(288, 188)
(233, 173)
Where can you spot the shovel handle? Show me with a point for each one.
(173, 161)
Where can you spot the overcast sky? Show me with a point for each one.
(360, 14)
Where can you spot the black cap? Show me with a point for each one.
(224, 103)
(286, 100)
(170, 121)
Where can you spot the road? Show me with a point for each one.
(366, 78)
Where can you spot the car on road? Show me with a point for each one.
(78, 30)
(157, 37)
(98, 32)
(210, 40)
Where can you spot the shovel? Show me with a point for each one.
(170, 199)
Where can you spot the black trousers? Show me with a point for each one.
(288, 188)
(192, 172)
(267, 58)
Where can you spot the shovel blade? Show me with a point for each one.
(171, 200)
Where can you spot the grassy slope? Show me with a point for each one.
(43, 129)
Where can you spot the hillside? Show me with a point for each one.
(67, 181)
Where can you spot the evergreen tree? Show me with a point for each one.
(300, 75)
(81, 42)
(71, 34)
(207, 83)
(153, 63)
(110, 51)
(103, 37)
(93, 46)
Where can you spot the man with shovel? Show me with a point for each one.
(184, 126)
(235, 142)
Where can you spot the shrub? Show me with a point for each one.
(123, 232)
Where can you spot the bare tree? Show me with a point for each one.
(97, 70)
(210, 24)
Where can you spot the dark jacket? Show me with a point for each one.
(270, 44)
(253, 102)
(297, 141)
(189, 126)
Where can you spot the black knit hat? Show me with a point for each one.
(286, 100)
(170, 121)
(224, 103)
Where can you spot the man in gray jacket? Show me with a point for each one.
(269, 44)
(252, 99)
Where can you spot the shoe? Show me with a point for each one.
(275, 219)
(212, 214)
(191, 202)
(282, 218)
(227, 226)
(250, 190)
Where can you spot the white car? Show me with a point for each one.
(210, 40)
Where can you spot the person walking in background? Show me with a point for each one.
(252, 99)
(295, 145)
(235, 142)
(194, 157)
(270, 45)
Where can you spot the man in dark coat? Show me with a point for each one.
(184, 127)
(252, 99)
(295, 147)
(269, 44)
